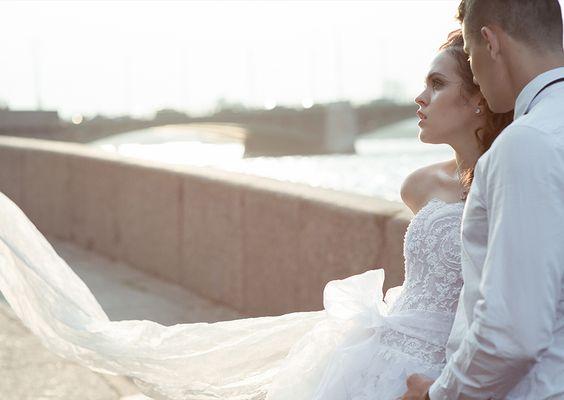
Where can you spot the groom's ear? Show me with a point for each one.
(491, 41)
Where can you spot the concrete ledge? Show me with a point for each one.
(261, 246)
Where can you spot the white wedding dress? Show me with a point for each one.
(361, 346)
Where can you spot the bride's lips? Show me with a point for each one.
(422, 117)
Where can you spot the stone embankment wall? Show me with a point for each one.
(260, 246)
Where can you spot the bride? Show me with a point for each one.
(361, 346)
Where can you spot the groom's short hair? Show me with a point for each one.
(535, 22)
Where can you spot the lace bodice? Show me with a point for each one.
(433, 276)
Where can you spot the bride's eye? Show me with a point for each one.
(437, 84)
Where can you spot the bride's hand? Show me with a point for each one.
(417, 387)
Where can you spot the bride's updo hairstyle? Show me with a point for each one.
(494, 123)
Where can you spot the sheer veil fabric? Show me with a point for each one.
(232, 359)
(298, 356)
(223, 360)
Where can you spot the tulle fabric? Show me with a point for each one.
(342, 356)
(303, 355)
(224, 360)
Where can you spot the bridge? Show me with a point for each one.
(321, 129)
(330, 128)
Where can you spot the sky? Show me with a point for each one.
(136, 57)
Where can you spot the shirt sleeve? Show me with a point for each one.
(521, 282)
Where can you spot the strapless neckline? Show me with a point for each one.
(446, 202)
(434, 200)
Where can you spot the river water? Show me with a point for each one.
(382, 161)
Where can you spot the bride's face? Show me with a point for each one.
(445, 115)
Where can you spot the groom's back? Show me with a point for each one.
(513, 233)
(546, 114)
(508, 337)
(540, 130)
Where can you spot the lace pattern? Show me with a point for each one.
(424, 351)
(433, 276)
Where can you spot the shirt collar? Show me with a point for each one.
(530, 90)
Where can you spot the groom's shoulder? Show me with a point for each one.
(532, 130)
(546, 117)
(536, 138)
(523, 143)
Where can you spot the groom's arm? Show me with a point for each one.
(522, 274)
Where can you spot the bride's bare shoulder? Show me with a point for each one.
(425, 183)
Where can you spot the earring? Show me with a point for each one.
(478, 111)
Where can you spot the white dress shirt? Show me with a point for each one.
(507, 340)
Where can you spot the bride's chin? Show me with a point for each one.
(423, 137)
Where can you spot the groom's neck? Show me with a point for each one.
(525, 64)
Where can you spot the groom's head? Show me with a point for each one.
(499, 33)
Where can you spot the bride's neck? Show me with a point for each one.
(467, 156)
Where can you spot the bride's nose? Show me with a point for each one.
(420, 100)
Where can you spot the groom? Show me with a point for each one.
(507, 340)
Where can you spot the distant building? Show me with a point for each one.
(171, 116)
(29, 122)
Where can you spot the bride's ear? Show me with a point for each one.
(479, 104)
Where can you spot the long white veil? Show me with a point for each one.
(224, 360)
(273, 358)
